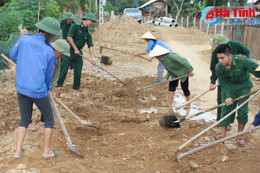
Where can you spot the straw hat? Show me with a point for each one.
(258, 68)
(148, 35)
(158, 51)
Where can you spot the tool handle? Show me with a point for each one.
(220, 105)
(216, 123)
(57, 113)
(178, 107)
(159, 83)
(105, 70)
(125, 52)
(8, 60)
(68, 109)
(214, 143)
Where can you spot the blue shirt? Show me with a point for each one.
(257, 120)
(153, 43)
(35, 65)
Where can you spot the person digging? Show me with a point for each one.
(236, 49)
(234, 79)
(152, 42)
(176, 66)
(77, 37)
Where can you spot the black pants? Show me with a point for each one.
(44, 105)
(184, 86)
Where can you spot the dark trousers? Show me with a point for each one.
(184, 86)
(77, 63)
(43, 104)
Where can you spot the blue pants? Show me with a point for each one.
(160, 72)
(44, 105)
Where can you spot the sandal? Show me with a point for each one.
(240, 142)
(218, 138)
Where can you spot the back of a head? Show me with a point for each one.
(49, 25)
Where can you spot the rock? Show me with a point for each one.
(230, 146)
(3, 124)
(208, 161)
(224, 158)
(193, 165)
(2, 151)
(21, 167)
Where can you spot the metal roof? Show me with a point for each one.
(149, 3)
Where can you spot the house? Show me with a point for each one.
(155, 8)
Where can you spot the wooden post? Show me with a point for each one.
(181, 21)
(222, 27)
(194, 21)
(208, 29)
(187, 21)
(216, 27)
(200, 23)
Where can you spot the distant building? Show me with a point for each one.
(155, 8)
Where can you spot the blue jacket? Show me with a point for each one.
(257, 119)
(153, 43)
(35, 65)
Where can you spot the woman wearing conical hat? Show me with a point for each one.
(152, 42)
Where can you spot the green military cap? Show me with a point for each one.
(62, 46)
(69, 15)
(49, 25)
(89, 16)
(219, 39)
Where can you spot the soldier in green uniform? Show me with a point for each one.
(234, 78)
(77, 37)
(65, 26)
(236, 49)
(176, 66)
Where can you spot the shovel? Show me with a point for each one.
(215, 124)
(57, 113)
(101, 50)
(103, 59)
(212, 108)
(87, 123)
(105, 70)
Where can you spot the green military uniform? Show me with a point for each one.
(56, 75)
(236, 49)
(175, 65)
(234, 83)
(65, 29)
(80, 36)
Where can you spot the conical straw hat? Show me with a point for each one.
(258, 68)
(158, 51)
(148, 35)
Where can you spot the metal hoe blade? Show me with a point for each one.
(74, 148)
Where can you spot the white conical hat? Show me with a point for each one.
(158, 51)
(148, 35)
(258, 68)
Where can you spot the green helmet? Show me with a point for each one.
(89, 16)
(219, 39)
(49, 25)
(62, 46)
(69, 15)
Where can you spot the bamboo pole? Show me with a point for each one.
(200, 23)
(215, 124)
(214, 143)
(187, 21)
